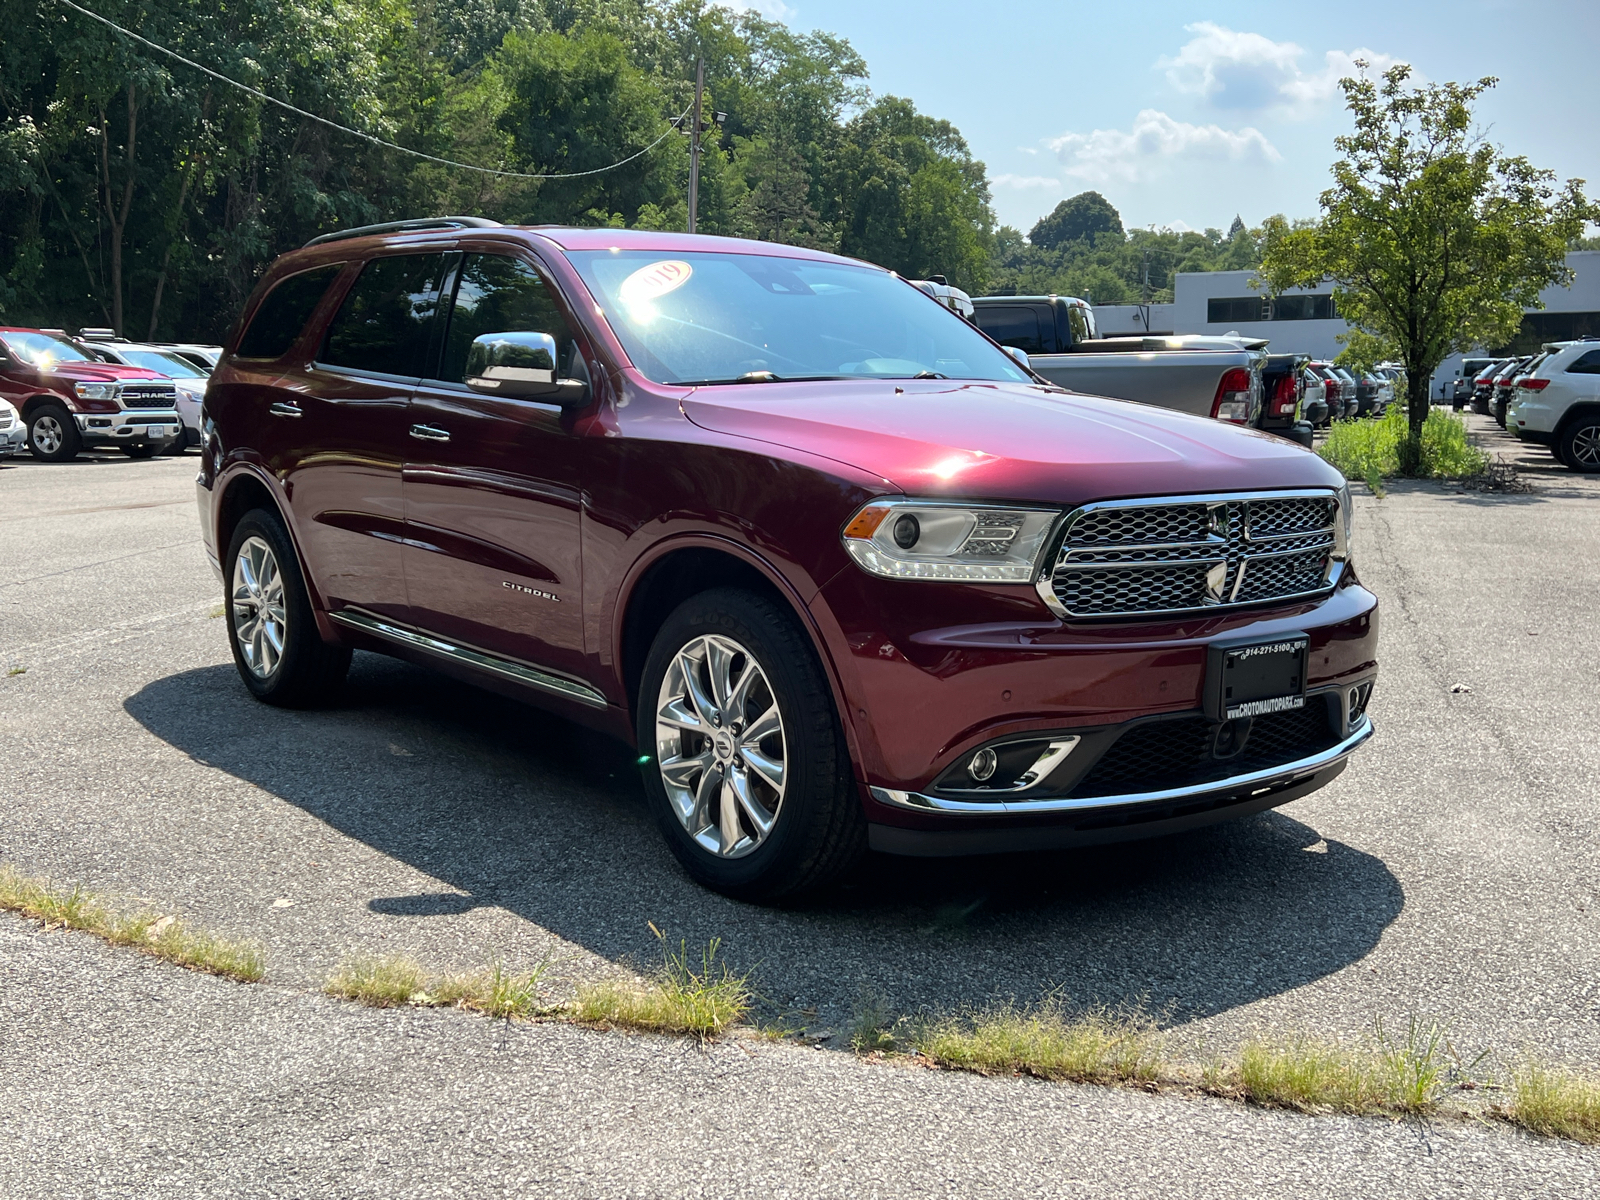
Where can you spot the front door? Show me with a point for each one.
(346, 489)
(491, 487)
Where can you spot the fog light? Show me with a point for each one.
(1359, 697)
(983, 762)
(906, 532)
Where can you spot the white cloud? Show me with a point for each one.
(1156, 140)
(1248, 72)
(1025, 181)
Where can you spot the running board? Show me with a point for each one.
(506, 668)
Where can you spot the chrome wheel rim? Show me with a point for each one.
(1586, 447)
(720, 746)
(259, 619)
(48, 435)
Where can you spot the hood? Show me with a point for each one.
(96, 372)
(1007, 441)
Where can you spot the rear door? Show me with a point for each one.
(492, 491)
(345, 489)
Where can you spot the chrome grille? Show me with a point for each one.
(148, 395)
(1146, 558)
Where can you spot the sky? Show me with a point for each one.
(1183, 115)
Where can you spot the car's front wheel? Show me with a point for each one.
(276, 645)
(1580, 444)
(53, 434)
(744, 760)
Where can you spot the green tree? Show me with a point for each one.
(1435, 240)
(1078, 218)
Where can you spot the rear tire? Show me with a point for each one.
(142, 451)
(276, 645)
(1579, 446)
(726, 665)
(53, 434)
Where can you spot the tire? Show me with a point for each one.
(142, 451)
(280, 656)
(815, 828)
(178, 444)
(53, 434)
(1579, 446)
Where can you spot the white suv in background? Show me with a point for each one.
(1558, 404)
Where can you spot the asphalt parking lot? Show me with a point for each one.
(1452, 872)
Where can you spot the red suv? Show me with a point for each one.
(844, 572)
(69, 399)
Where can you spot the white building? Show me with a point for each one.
(1304, 321)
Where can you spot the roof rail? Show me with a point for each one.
(339, 235)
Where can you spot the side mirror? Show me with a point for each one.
(523, 367)
(1020, 355)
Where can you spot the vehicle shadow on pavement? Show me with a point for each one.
(546, 820)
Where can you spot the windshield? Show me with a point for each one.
(162, 363)
(697, 318)
(42, 350)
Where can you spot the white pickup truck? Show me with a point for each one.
(1216, 377)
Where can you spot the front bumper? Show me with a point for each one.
(130, 427)
(13, 439)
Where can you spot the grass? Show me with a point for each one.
(1369, 450)
(163, 936)
(217, 611)
(397, 981)
(1555, 1102)
(1100, 1046)
(17, 671)
(700, 999)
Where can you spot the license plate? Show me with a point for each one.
(1256, 678)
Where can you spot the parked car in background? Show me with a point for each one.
(189, 379)
(1314, 397)
(1334, 391)
(952, 298)
(1284, 392)
(1217, 377)
(13, 430)
(71, 399)
(1483, 385)
(204, 357)
(1460, 387)
(1505, 386)
(780, 523)
(1558, 404)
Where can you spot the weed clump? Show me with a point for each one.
(1369, 450)
(397, 981)
(1556, 1103)
(1099, 1046)
(681, 996)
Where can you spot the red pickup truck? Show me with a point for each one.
(69, 401)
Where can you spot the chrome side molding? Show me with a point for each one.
(1270, 777)
(506, 668)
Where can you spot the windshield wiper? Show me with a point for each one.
(759, 377)
(929, 375)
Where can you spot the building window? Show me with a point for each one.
(1541, 327)
(1232, 310)
(1302, 308)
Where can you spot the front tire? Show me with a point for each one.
(276, 645)
(53, 434)
(745, 762)
(142, 451)
(1580, 444)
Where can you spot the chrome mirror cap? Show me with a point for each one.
(1020, 355)
(521, 366)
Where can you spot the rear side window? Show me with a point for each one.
(1012, 326)
(283, 314)
(387, 316)
(1078, 317)
(497, 294)
(1586, 364)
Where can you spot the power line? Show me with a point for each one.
(367, 137)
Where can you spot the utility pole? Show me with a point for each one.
(694, 142)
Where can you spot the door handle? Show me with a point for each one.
(282, 409)
(430, 433)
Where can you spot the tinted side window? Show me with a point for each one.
(1586, 364)
(387, 317)
(498, 294)
(283, 314)
(1079, 317)
(1012, 326)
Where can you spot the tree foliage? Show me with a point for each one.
(137, 192)
(1079, 218)
(1436, 240)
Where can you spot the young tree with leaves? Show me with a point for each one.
(1435, 240)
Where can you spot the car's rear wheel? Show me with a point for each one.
(276, 645)
(53, 434)
(744, 759)
(1580, 444)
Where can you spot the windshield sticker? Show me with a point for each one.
(653, 282)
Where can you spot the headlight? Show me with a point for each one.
(96, 391)
(924, 539)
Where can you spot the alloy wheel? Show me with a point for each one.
(1586, 447)
(259, 615)
(48, 434)
(720, 745)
